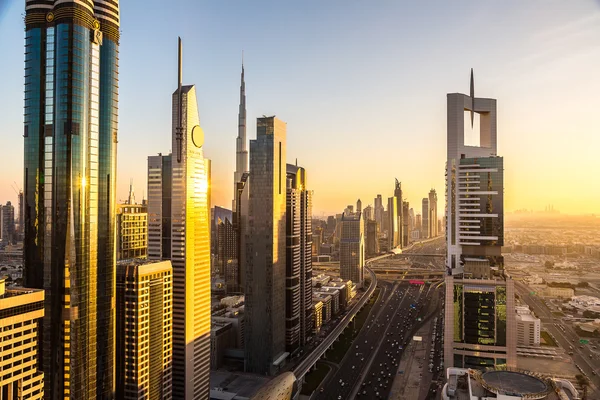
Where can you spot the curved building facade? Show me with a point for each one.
(70, 134)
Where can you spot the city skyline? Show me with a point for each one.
(404, 104)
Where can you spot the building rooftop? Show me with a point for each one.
(513, 383)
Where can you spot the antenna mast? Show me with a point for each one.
(179, 128)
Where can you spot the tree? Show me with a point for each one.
(548, 264)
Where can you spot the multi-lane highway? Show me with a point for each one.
(567, 338)
(378, 347)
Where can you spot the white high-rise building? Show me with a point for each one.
(179, 230)
(480, 323)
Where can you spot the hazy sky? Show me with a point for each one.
(362, 86)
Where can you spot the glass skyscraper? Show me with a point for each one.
(70, 132)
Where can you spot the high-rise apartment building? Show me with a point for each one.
(264, 253)
(371, 238)
(7, 223)
(433, 219)
(393, 233)
(298, 286)
(425, 218)
(21, 311)
(70, 135)
(144, 325)
(352, 248)
(179, 230)
(480, 322)
(132, 229)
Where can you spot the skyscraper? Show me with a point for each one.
(298, 286)
(378, 210)
(264, 256)
(241, 152)
(480, 324)
(405, 223)
(7, 223)
(358, 205)
(70, 131)
(144, 325)
(400, 216)
(425, 218)
(433, 219)
(371, 238)
(21, 311)
(179, 230)
(352, 248)
(393, 231)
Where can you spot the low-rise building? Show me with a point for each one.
(318, 315)
(222, 337)
(325, 299)
(335, 298)
(528, 327)
(504, 384)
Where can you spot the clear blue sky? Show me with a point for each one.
(362, 86)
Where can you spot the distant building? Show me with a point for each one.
(144, 330)
(433, 219)
(372, 238)
(7, 223)
(528, 327)
(227, 262)
(132, 230)
(368, 213)
(400, 213)
(20, 313)
(352, 251)
(425, 218)
(217, 215)
(378, 210)
(393, 232)
(405, 224)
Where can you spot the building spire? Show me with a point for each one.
(241, 158)
(472, 94)
(131, 197)
(179, 128)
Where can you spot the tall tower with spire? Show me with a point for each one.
(241, 152)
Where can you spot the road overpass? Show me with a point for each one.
(304, 367)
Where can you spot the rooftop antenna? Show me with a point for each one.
(472, 93)
(179, 128)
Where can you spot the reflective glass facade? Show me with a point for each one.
(70, 130)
